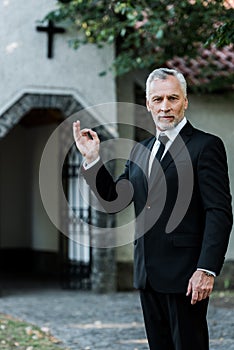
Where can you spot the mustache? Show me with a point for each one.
(166, 116)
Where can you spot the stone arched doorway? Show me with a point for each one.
(66, 104)
(29, 242)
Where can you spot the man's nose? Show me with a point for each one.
(165, 106)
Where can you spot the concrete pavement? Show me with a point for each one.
(87, 321)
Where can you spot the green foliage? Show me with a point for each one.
(224, 34)
(226, 283)
(145, 32)
(16, 334)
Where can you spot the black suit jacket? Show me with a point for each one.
(183, 211)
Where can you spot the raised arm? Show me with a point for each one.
(113, 195)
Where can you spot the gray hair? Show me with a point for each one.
(162, 73)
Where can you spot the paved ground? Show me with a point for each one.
(88, 321)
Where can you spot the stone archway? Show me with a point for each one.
(67, 104)
(103, 261)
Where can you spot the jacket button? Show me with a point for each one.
(148, 206)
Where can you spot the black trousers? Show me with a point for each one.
(172, 323)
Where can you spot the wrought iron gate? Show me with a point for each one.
(75, 250)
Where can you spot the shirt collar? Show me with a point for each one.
(172, 133)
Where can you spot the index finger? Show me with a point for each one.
(76, 128)
(76, 124)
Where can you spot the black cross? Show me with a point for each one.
(50, 30)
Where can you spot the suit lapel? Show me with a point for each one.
(141, 164)
(145, 160)
(177, 146)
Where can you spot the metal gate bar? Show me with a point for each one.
(76, 251)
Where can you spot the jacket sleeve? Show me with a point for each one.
(113, 195)
(216, 198)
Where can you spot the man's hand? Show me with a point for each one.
(87, 142)
(200, 285)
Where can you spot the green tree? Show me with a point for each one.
(147, 33)
(224, 33)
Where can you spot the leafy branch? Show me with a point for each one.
(146, 33)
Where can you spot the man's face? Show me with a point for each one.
(166, 102)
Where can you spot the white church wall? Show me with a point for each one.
(26, 68)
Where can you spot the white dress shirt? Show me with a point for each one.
(171, 134)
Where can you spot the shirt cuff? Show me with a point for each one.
(89, 165)
(205, 270)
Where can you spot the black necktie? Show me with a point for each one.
(163, 139)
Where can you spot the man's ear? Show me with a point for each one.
(186, 103)
(147, 106)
